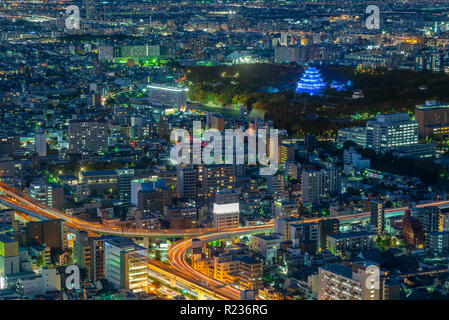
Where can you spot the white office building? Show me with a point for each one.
(125, 264)
(168, 95)
(226, 209)
(391, 130)
(355, 134)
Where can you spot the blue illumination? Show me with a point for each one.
(311, 82)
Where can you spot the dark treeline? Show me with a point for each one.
(384, 91)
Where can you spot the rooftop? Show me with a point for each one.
(350, 234)
(98, 173)
(5, 239)
(339, 269)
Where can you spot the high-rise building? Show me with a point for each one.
(266, 245)
(51, 232)
(187, 179)
(162, 128)
(339, 282)
(97, 247)
(276, 185)
(34, 285)
(87, 136)
(355, 134)
(429, 218)
(82, 254)
(437, 241)
(327, 227)
(226, 209)
(138, 51)
(353, 161)
(126, 264)
(7, 216)
(282, 227)
(124, 178)
(443, 221)
(310, 142)
(391, 130)
(433, 119)
(145, 185)
(316, 184)
(286, 153)
(331, 180)
(292, 169)
(304, 235)
(168, 95)
(216, 178)
(377, 216)
(429, 61)
(286, 54)
(250, 273)
(310, 186)
(40, 143)
(50, 194)
(150, 201)
(181, 217)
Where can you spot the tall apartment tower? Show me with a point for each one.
(310, 186)
(377, 216)
(187, 182)
(276, 184)
(316, 184)
(51, 232)
(429, 218)
(340, 282)
(40, 143)
(217, 178)
(82, 252)
(87, 136)
(326, 228)
(124, 178)
(97, 245)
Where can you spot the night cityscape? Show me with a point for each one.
(224, 150)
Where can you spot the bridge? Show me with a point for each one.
(21, 202)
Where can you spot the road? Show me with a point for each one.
(177, 252)
(22, 202)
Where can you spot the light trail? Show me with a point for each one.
(177, 252)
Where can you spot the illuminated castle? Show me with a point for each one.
(311, 82)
